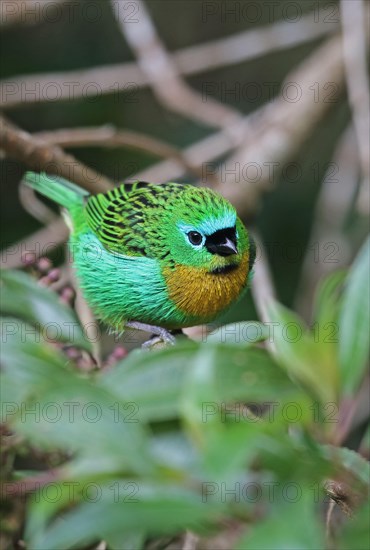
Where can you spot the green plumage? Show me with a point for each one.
(134, 256)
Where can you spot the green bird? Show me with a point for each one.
(154, 257)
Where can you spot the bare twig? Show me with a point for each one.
(40, 243)
(329, 514)
(128, 77)
(271, 136)
(39, 155)
(108, 136)
(34, 206)
(341, 495)
(19, 12)
(329, 247)
(352, 413)
(168, 85)
(30, 484)
(263, 290)
(283, 126)
(190, 541)
(87, 320)
(354, 18)
(250, 44)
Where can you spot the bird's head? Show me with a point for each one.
(205, 232)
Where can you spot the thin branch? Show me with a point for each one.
(335, 199)
(87, 318)
(108, 136)
(31, 483)
(352, 413)
(208, 149)
(39, 155)
(283, 127)
(329, 515)
(190, 541)
(128, 77)
(38, 244)
(263, 290)
(355, 23)
(164, 78)
(21, 12)
(34, 206)
(270, 136)
(251, 44)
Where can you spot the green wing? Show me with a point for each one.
(128, 219)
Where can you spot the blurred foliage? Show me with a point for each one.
(238, 436)
(188, 437)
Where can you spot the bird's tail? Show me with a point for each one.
(61, 191)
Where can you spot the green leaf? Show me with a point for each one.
(365, 443)
(155, 381)
(157, 509)
(290, 526)
(30, 364)
(56, 407)
(244, 333)
(326, 307)
(152, 380)
(350, 460)
(356, 533)
(219, 380)
(312, 363)
(354, 324)
(125, 540)
(24, 298)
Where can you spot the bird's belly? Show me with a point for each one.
(203, 295)
(120, 289)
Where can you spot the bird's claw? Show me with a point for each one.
(160, 334)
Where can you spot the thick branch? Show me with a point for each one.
(108, 136)
(39, 155)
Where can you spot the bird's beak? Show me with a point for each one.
(225, 248)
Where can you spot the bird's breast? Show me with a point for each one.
(199, 293)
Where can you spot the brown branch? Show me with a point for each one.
(355, 25)
(352, 413)
(283, 127)
(273, 135)
(332, 207)
(40, 243)
(34, 206)
(263, 290)
(40, 156)
(30, 484)
(108, 136)
(21, 12)
(128, 77)
(163, 76)
(251, 44)
(190, 541)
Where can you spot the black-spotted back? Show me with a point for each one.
(124, 218)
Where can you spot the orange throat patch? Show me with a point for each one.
(199, 293)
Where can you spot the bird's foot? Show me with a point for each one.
(160, 334)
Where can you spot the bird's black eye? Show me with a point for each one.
(195, 238)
